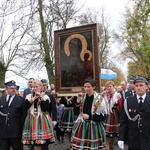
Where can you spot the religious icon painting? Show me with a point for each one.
(76, 58)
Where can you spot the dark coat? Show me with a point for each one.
(138, 135)
(52, 108)
(26, 92)
(12, 128)
(127, 94)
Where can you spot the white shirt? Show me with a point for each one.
(11, 99)
(142, 97)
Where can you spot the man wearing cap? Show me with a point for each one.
(11, 118)
(131, 86)
(17, 89)
(135, 118)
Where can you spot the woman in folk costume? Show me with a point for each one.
(113, 102)
(88, 132)
(38, 129)
(68, 118)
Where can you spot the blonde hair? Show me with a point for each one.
(38, 82)
(110, 82)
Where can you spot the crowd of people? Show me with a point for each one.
(38, 117)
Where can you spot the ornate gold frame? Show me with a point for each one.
(76, 57)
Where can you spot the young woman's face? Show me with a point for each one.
(37, 88)
(88, 88)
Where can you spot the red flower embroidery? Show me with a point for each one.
(97, 104)
(103, 94)
(81, 107)
(38, 103)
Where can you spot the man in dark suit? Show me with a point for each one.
(29, 89)
(11, 118)
(135, 118)
(125, 92)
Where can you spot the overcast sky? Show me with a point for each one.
(113, 8)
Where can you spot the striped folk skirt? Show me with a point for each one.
(88, 135)
(112, 124)
(38, 130)
(67, 120)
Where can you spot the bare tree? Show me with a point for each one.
(12, 32)
(26, 46)
(92, 16)
(30, 44)
(57, 14)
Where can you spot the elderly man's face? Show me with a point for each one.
(123, 85)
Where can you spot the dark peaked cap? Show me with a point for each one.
(132, 78)
(10, 84)
(44, 81)
(17, 87)
(140, 78)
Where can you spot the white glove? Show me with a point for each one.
(54, 123)
(121, 144)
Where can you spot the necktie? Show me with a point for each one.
(133, 92)
(8, 100)
(123, 93)
(140, 103)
